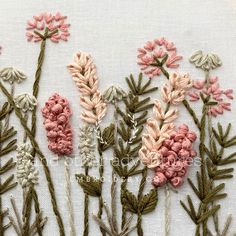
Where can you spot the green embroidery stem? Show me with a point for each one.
(41, 158)
(36, 83)
(101, 173)
(86, 209)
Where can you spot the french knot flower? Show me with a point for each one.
(206, 62)
(11, 75)
(57, 113)
(26, 172)
(176, 154)
(87, 146)
(25, 102)
(46, 25)
(113, 94)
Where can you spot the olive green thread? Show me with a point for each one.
(128, 144)
(212, 157)
(7, 145)
(41, 158)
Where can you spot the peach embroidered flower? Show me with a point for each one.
(176, 154)
(57, 113)
(155, 54)
(217, 95)
(47, 25)
(175, 91)
(84, 73)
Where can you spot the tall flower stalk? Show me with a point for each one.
(212, 152)
(84, 73)
(57, 113)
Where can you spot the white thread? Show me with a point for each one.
(69, 200)
(167, 210)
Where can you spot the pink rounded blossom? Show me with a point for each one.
(57, 113)
(218, 95)
(154, 51)
(176, 155)
(55, 25)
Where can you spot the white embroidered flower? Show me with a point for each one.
(113, 94)
(26, 172)
(86, 146)
(206, 62)
(25, 102)
(11, 75)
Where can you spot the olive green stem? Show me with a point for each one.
(41, 158)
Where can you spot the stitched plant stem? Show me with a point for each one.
(41, 158)
(37, 211)
(27, 211)
(140, 194)
(68, 198)
(101, 172)
(167, 210)
(1, 207)
(86, 209)
(36, 82)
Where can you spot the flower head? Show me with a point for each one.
(176, 155)
(206, 62)
(155, 54)
(217, 96)
(26, 172)
(113, 94)
(25, 102)
(57, 113)
(11, 75)
(175, 92)
(46, 25)
(87, 146)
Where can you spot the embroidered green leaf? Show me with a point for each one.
(130, 201)
(209, 213)
(148, 202)
(90, 185)
(107, 137)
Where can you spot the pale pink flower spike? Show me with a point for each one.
(55, 24)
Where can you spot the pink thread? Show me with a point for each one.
(52, 22)
(57, 113)
(176, 156)
(84, 73)
(157, 49)
(216, 95)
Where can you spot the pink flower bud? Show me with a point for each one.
(159, 179)
(176, 181)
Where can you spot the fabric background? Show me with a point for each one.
(112, 31)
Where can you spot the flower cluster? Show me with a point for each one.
(175, 91)
(155, 54)
(175, 156)
(216, 94)
(206, 62)
(57, 113)
(11, 75)
(84, 74)
(25, 102)
(87, 146)
(47, 25)
(26, 172)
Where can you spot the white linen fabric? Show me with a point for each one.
(111, 31)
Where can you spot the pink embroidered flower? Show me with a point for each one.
(84, 73)
(57, 113)
(217, 95)
(47, 25)
(176, 154)
(155, 54)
